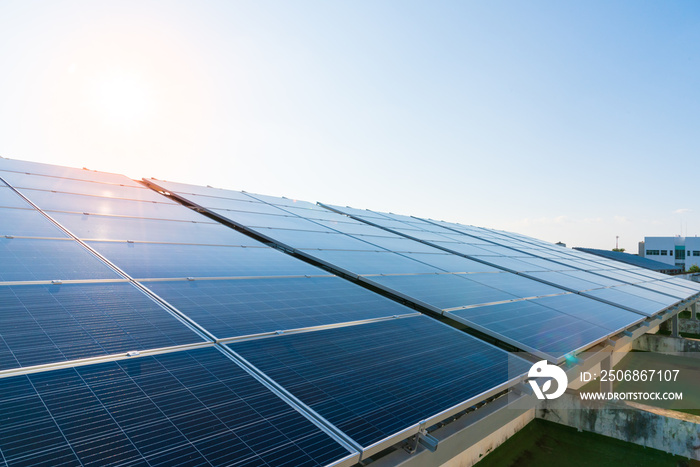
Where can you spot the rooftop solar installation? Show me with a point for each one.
(193, 407)
(472, 280)
(136, 330)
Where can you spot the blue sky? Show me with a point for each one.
(567, 121)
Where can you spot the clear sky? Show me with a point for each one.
(567, 121)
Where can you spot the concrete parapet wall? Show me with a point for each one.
(667, 344)
(691, 326)
(670, 431)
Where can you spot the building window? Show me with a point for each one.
(664, 252)
(680, 254)
(652, 252)
(696, 253)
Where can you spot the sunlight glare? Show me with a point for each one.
(124, 99)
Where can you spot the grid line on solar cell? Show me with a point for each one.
(52, 323)
(374, 380)
(193, 404)
(251, 306)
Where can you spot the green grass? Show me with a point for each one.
(543, 444)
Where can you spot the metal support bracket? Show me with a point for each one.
(428, 441)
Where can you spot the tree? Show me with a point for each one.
(621, 250)
(694, 268)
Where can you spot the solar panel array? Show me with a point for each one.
(517, 290)
(602, 296)
(134, 329)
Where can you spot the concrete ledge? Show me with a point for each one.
(668, 344)
(667, 430)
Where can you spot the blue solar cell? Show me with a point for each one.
(186, 189)
(317, 214)
(10, 199)
(96, 227)
(31, 259)
(50, 323)
(397, 244)
(64, 172)
(565, 280)
(517, 285)
(152, 260)
(228, 308)
(592, 311)
(464, 248)
(350, 227)
(594, 277)
(371, 262)
(330, 240)
(253, 220)
(374, 380)
(38, 182)
(27, 223)
(249, 205)
(620, 297)
(452, 263)
(191, 407)
(443, 290)
(533, 327)
(50, 201)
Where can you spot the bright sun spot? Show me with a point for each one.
(124, 99)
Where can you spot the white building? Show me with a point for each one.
(679, 251)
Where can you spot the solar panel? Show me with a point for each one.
(64, 172)
(451, 263)
(191, 407)
(253, 219)
(229, 308)
(375, 380)
(371, 262)
(531, 326)
(27, 223)
(64, 185)
(31, 259)
(301, 239)
(443, 290)
(50, 201)
(10, 199)
(98, 227)
(154, 260)
(42, 324)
